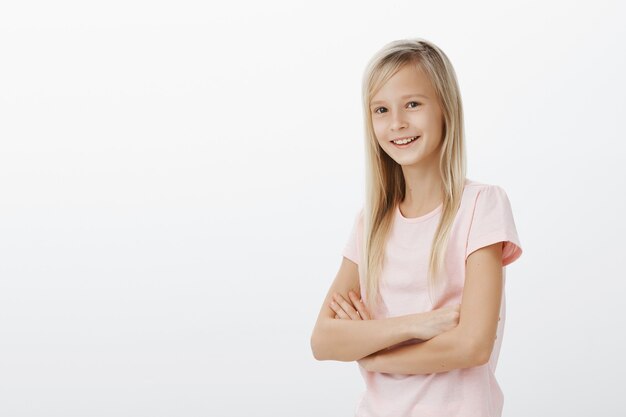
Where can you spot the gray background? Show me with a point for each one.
(178, 180)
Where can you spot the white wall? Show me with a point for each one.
(178, 180)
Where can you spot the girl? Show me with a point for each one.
(426, 253)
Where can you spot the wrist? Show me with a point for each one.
(410, 326)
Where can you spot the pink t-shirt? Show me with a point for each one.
(484, 217)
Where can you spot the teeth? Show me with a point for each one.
(404, 141)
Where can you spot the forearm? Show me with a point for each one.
(442, 353)
(351, 340)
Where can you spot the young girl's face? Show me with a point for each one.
(407, 106)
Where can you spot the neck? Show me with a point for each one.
(423, 189)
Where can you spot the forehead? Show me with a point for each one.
(409, 81)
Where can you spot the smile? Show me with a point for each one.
(403, 143)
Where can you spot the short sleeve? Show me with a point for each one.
(493, 222)
(351, 249)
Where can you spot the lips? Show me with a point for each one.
(404, 137)
(409, 144)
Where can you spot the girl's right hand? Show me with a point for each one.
(353, 310)
(432, 323)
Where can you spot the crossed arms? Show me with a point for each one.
(372, 342)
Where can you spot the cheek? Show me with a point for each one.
(378, 132)
(433, 124)
(437, 120)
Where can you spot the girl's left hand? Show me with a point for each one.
(346, 310)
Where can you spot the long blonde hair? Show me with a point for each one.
(384, 180)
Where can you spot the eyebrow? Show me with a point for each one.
(404, 96)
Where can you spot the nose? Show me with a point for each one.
(397, 121)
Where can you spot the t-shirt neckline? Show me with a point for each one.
(418, 219)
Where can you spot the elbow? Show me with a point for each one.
(324, 345)
(324, 348)
(317, 346)
(479, 353)
(320, 351)
(481, 357)
(472, 349)
(323, 351)
(315, 349)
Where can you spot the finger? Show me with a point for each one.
(365, 315)
(337, 309)
(347, 307)
(346, 311)
(361, 306)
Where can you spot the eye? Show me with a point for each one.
(416, 104)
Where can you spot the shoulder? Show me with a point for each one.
(480, 197)
(478, 185)
(475, 188)
(358, 218)
(357, 221)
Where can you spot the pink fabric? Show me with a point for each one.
(484, 217)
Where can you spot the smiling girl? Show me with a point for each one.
(418, 300)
